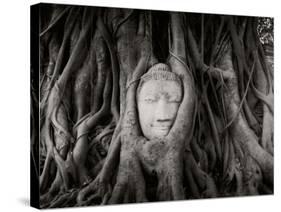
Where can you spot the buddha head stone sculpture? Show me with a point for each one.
(159, 95)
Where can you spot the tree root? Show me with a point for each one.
(222, 154)
(200, 183)
(81, 147)
(240, 130)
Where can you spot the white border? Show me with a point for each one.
(14, 111)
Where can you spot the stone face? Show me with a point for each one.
(158, 103)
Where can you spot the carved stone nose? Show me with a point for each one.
(161, 112)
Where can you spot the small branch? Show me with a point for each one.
(114, 67)
(55, 21)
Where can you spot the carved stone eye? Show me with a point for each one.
(174, 100)
(150, 100)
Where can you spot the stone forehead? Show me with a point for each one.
(160, 72)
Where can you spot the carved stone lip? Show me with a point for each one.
(161, 128)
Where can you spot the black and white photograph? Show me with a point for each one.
(139, 105)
